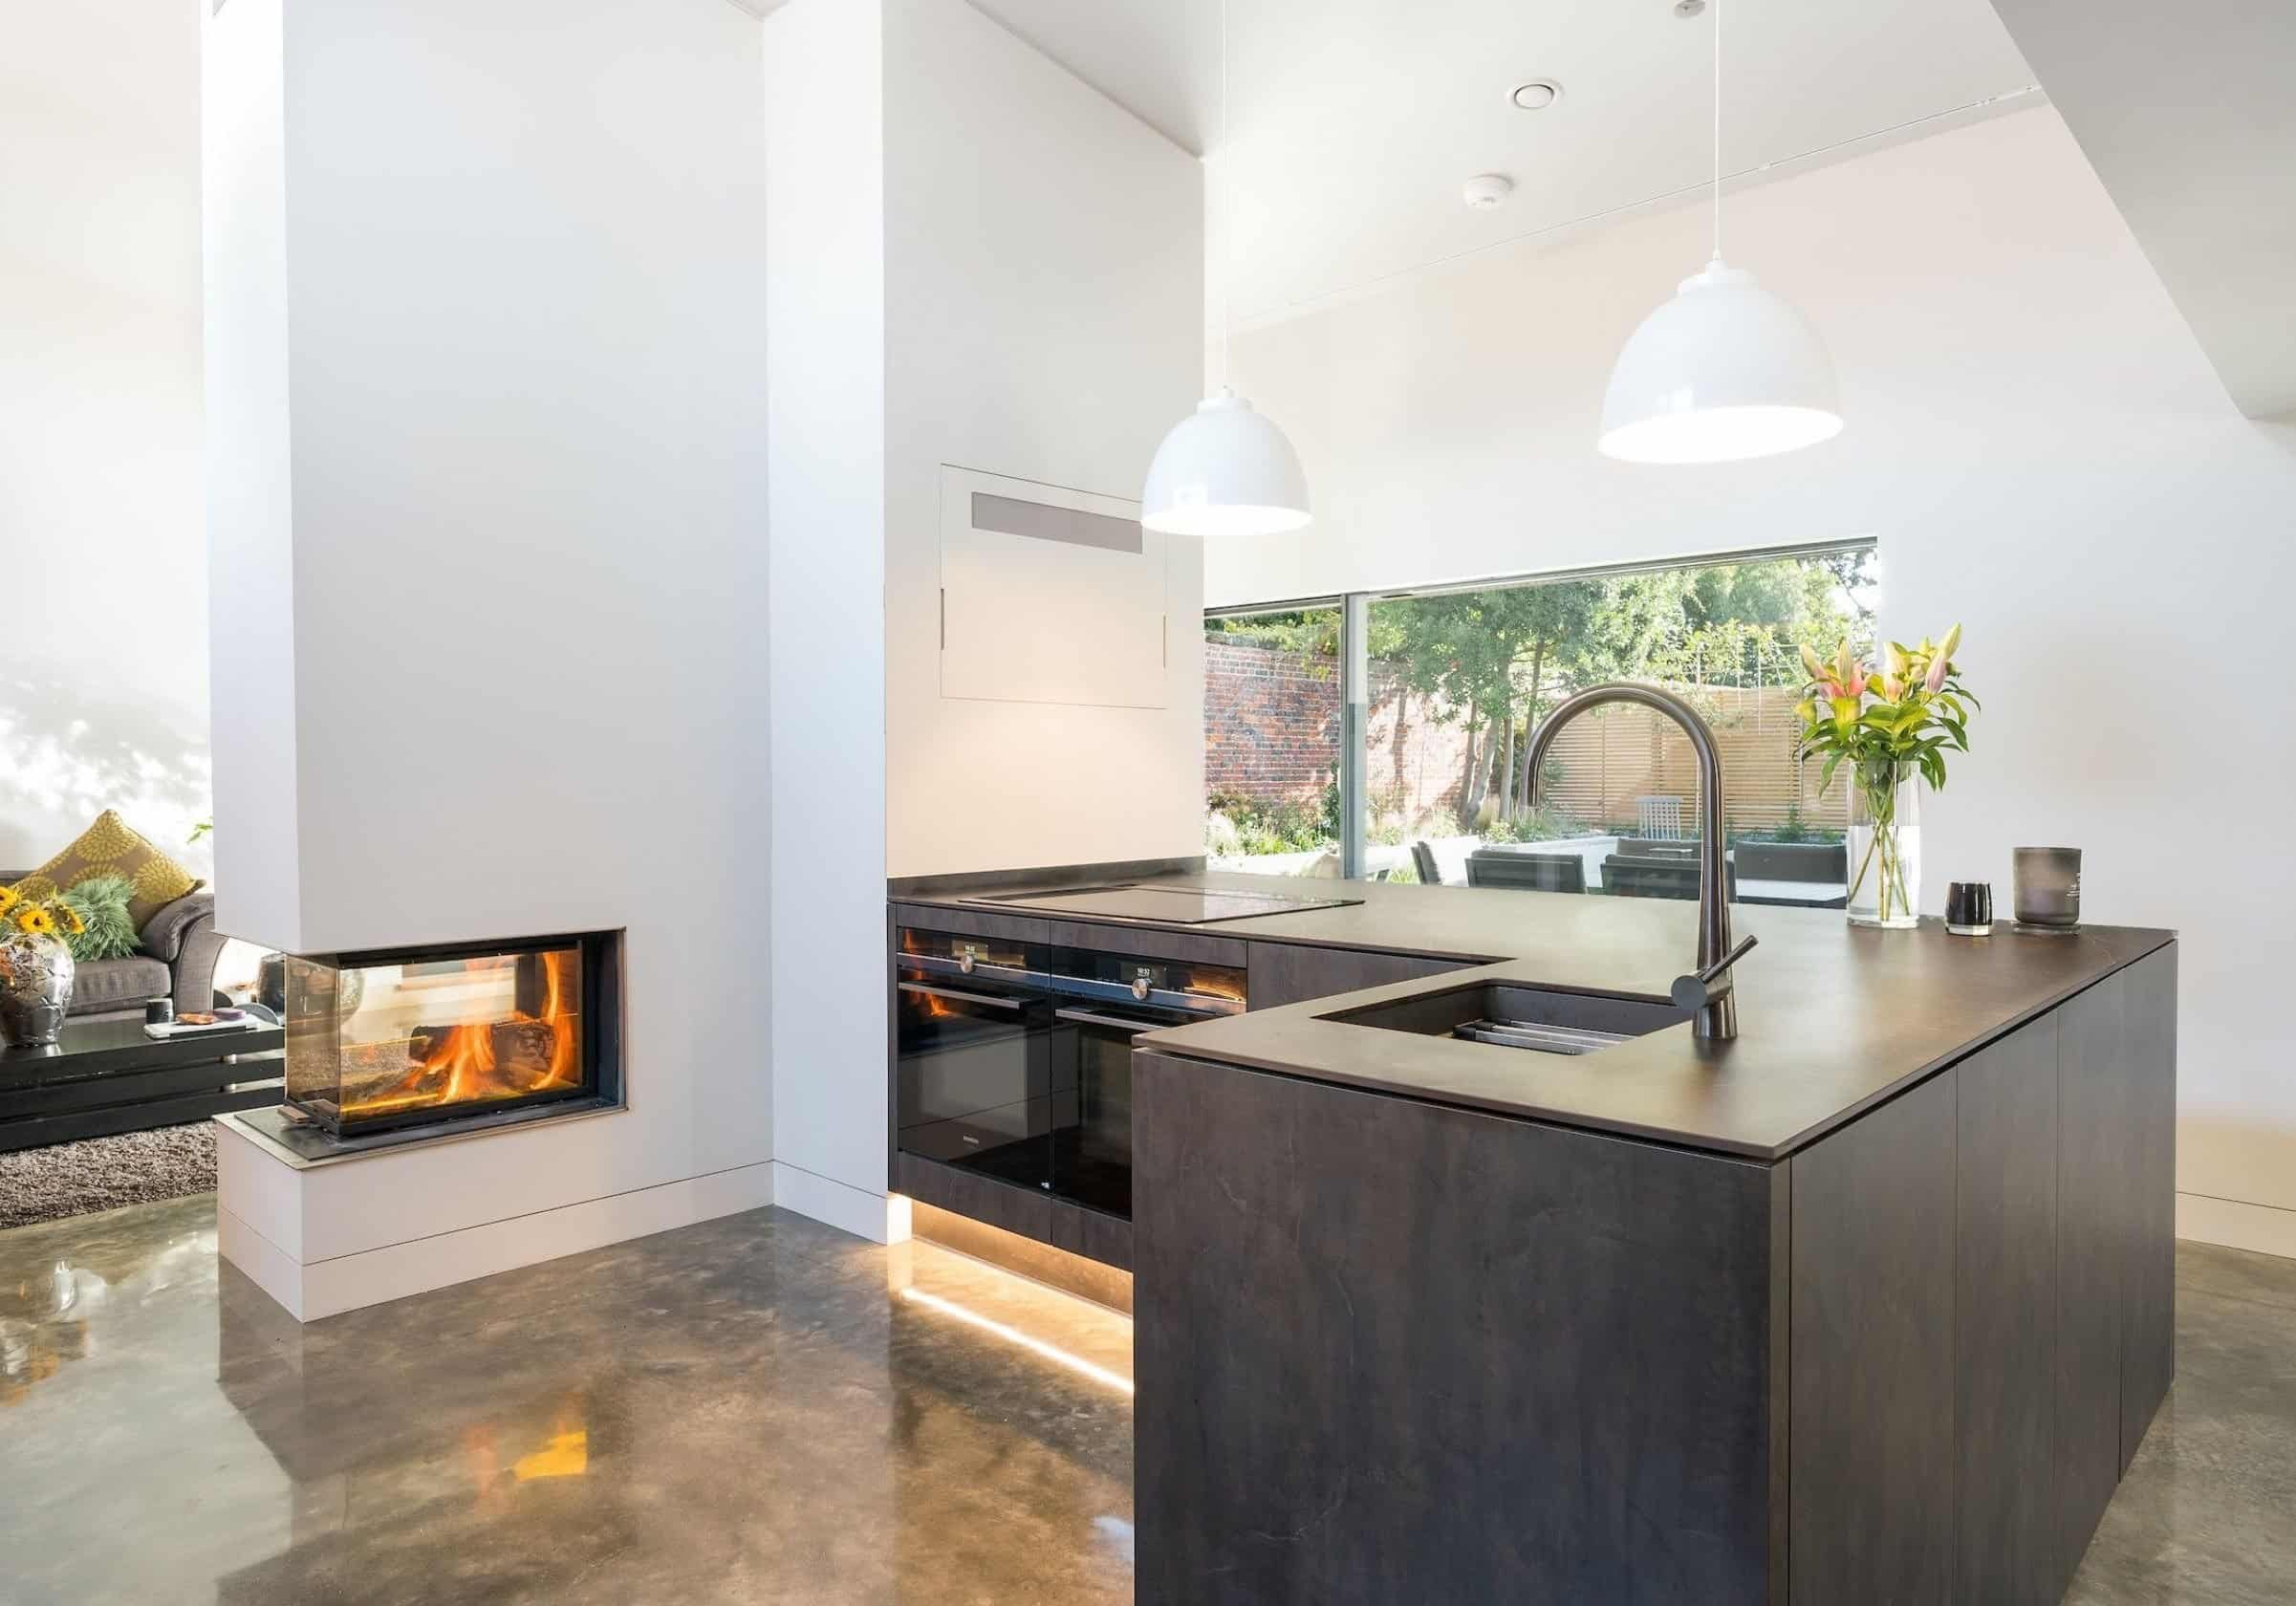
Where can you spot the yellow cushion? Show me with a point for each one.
(112, 847)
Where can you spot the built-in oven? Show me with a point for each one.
(1014, 1059)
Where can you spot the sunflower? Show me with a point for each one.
(71, 918)
(35, 920)
(9, 897)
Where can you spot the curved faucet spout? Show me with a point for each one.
(1718, 1017)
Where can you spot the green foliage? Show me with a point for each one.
(1236, 826)
(1311, 634)
(1542, 824)
(1499, 660)
(101, 903)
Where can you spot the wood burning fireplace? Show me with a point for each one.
(408, 1041)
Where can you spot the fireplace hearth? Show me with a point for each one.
(407, 1042)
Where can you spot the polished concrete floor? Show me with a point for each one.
(759, 1409)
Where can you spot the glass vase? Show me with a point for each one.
(1884, 847)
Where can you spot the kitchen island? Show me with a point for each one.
(1873, 1303)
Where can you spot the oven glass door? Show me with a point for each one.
(1091, 1130)
(980, 1071)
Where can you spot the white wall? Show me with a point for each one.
(511, 478)
(973, 260)
(825, 301)
(2044, 453)
(1044, 254)
(103, 674)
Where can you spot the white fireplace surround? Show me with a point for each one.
(511, 629)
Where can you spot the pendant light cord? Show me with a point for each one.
(1718, 15)
(1227, 202)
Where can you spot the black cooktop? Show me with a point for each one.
(1162, 905)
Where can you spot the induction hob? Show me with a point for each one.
(1162, 905)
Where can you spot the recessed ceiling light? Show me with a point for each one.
(1485, 190)
(1537, 95)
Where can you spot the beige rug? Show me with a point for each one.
(104, 1173)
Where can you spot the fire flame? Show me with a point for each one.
(464, 1064)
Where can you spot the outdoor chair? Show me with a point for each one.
(1422, 856)
(1528, 872)
(1657, 877)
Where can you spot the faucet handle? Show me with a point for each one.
(1695, 991)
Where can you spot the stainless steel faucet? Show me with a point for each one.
(1707, 989)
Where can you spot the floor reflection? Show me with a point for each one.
(754, 1409)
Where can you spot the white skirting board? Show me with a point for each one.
(311, 1289)
(881, 1218)
(2237, 1225)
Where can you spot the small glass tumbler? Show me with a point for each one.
(1969, 908)
(2049, 889)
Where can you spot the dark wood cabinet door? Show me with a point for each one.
(2094, 1185)
(1396, 1352)
(2004, 1320)
(1294, 972)
(2149, 1274)
(1871, 1489)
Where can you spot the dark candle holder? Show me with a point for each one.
(2049, 889)
(1969, 908)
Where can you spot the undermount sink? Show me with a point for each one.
(1510, 1016)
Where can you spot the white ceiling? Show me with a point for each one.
(1355, 121)
(2186, 113)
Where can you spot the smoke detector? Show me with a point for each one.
(1537, 95)
(1485, 190)
(1689, 7)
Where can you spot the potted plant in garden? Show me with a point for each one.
(37, 968)
(1893, 726)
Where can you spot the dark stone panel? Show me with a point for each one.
(1390, 1351)
(2094, 1184)
(2149, 1285)
(2004, 1309)
(1027, 1211)
(1072, 1273)
(1148, 941)
(1095, 1234)
(1294, 972)
(1873, 1389)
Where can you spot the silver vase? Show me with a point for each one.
(36, 989)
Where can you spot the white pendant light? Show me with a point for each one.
(1725, 370)
(1226, 469)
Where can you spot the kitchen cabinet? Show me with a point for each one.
(1453, 1352)
(1294, 972)
(1051, 596)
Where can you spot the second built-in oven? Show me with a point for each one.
(1014, 1059)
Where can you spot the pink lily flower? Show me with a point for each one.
(1934, 680)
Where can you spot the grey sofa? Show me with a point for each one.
(179, 949)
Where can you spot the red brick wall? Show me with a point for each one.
(1271, 734)
(1270, 723)
(1416, 762)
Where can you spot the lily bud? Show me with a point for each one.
(1814, 663)
(1952, 639)
(1937, 665)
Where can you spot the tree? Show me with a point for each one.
(1492, 658)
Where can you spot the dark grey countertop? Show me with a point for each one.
(1832, 1018)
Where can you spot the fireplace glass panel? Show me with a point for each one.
(410, 1038)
